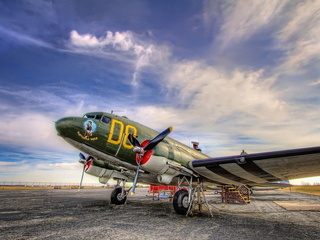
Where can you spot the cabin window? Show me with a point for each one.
(106, 119)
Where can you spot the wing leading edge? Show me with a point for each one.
(260, 168)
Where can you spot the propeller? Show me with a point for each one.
(85, 161)
(144, 151)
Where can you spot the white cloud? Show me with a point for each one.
(57, 166)
(24, 38)
(217, 107)
(126, 45)
(49, 173)
(242, 19)
(205, 89)
(315, 83)
(85, 40)
(29, 130)
(221, 107)
(300, 35)
(295, 28)
(276, 109)
(122, 41)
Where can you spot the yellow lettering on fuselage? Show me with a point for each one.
(121, 129)
(134, 132)
(112, 127)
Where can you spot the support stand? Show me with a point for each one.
(198, 200)
(196, 196)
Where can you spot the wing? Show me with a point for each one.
(260, 168)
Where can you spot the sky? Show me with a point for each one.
(232, 75)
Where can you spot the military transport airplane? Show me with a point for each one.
(121, 149)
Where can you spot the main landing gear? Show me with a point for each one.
(187, 201)
(119, 194)
(181, 201)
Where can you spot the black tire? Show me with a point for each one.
(116, 197)
(180, 202)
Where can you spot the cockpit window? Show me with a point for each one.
(98, 117)
(89, 116)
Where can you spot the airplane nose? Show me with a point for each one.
(63, 126)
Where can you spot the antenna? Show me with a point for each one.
(119, 111)
(196, 146)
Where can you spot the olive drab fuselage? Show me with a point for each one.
(105, 138)
(108, 133)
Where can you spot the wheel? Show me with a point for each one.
(180, 202)
(116, 197)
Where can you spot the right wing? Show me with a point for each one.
(260, 169)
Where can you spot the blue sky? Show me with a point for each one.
(231, 74)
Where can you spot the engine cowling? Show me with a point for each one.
(165, 178)
(104, 174)
(159, 166)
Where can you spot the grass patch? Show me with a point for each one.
(8, 188)
(304, 189)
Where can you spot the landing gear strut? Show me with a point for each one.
(119, 194)
(186, 202)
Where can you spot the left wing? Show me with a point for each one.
(260, 168)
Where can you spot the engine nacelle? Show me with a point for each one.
(159, 165)
(104, 174)
(165, 178)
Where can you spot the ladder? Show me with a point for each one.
(235, 194)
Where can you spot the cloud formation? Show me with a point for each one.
(204, 88)
(252, 82)
(127, 44)
(299, 37)
(243, 19)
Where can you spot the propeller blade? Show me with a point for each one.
(154, 142)
(84, 166)
(81, 156)
(142, 150)
(134, 141)
(135, 180)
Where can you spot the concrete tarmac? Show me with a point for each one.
(68, 214)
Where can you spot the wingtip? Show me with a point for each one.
(171, 129)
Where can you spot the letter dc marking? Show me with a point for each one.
(122, 129)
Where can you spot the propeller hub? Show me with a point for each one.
(83, 161)
(138, 149)
(144, 151)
